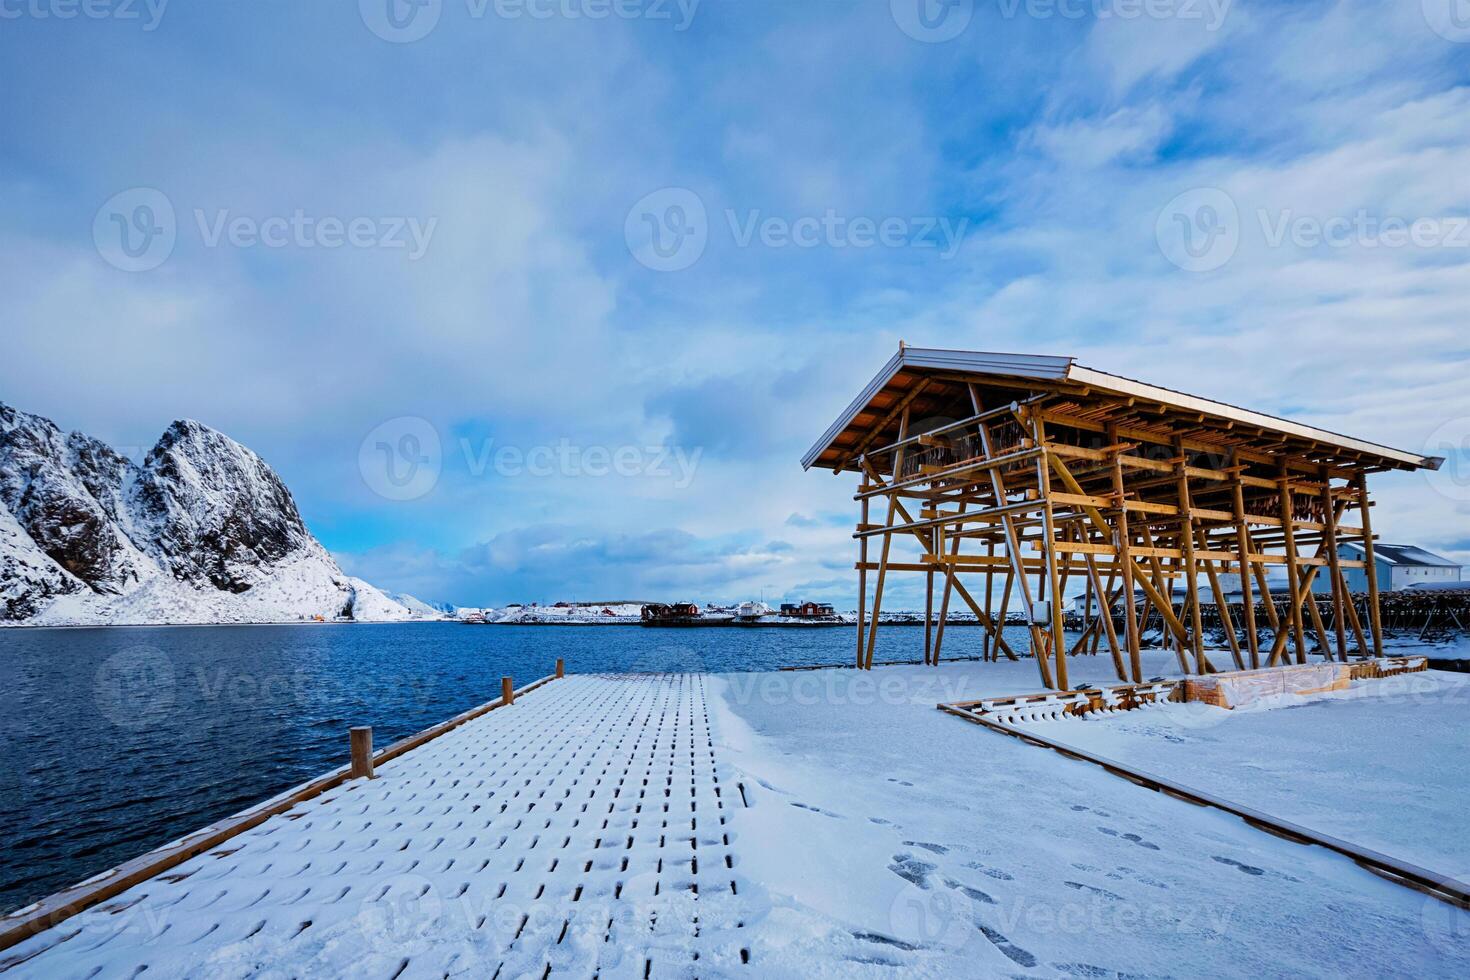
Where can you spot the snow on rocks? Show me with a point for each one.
(201, 531)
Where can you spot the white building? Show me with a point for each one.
(1399, 566)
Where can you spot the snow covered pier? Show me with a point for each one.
(582, 829)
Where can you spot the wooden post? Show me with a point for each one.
(561, 668)
(929, 617)
(1191, 567)
(1243, 544)
(1369, 568)
(893, 505)
(1333, 558)
(989, 600)
(1293, 580)
(1049, 537)
(862, 575)
(507, 691)
(360, 739)
(1121, 538)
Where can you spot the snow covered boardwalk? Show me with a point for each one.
(582, 829)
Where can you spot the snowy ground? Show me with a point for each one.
(1385, 764)
(895, 837)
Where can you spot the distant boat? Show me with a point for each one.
(681, 614)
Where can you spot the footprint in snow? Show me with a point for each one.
(1081, 970)
(1134, 838)
(880, 821)
(1079, 886)
(936, 848)
(995, 873)
(1015, 953)
(973, 894)
(817, 809)
(912, 870)
(1249, 869)
(901, 782)
(882, 940)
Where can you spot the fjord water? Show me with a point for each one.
(119, 740)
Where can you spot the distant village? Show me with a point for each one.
(1422, 589)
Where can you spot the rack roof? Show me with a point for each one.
(943, 375)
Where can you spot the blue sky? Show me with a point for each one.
(437, 252)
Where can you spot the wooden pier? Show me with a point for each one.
(562, 829)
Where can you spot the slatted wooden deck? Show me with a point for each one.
(584, 829)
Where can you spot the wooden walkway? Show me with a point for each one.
(583, 829)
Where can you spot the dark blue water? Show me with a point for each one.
(115, 741)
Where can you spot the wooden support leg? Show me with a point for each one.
(862, 583)
(1329, 508)
(1243, 545)
(1293, 581)
(1370, 567)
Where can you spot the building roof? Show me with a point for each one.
(939, 377)
(1406, 554)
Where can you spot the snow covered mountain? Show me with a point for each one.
(203, 531)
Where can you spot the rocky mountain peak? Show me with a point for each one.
(88, 535)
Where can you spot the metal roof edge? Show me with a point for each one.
(934, 358)
(1113, 382)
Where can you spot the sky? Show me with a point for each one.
(531, 300)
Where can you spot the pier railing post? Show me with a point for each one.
(507, 691)
(561, 668)
(361, 740)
